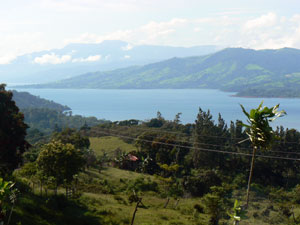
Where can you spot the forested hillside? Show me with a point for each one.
(43, 121)
(249, 72)
(25, 100)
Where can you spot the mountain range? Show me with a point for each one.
(76, 59)
(262, 73)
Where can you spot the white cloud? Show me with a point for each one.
(271, 31)
(92, 58)
(92, 5)
(107, 57)
(150, 33)
(127, 56)
(296, 18)
(265, 31)
(52, 59)
(16, 44)
(127, 47)
(263, 21)
(268, 30)
(7, 59)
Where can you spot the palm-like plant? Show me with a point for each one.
(237, 213)
(5, 191)
(260, 132)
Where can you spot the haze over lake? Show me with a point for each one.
(143, 104)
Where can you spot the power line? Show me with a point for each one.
(180, 133)
(222, 146)
(204, 149)
(212, 136)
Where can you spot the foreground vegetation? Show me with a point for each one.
(94, 206)
(154, 172)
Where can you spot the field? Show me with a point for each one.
(109, 145)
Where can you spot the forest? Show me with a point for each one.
(58, 168)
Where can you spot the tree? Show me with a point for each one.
(177, 118)
(12, 132)
(205, 133)
(73, 137)
(216, 202)
(260, 132)
(60, 161)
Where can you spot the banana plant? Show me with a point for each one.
(238, 213)
(5, 191)
(260, 132)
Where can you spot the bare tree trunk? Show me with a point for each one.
(66, 191)
(135, 210)
(250, 175)
(41, 188)
(293, 213)
(167, 202)
(12, 208)
(176, 204)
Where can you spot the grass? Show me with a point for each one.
(35, 210)
(117, 204)
(96, 206)
(109, 145)
(152, 214)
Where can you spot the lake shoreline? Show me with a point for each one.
(141, 104)
(32, 86)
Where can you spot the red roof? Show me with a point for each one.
(132, 157)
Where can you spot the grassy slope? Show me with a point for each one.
(261, 210)
(99, 206)
(109, 144)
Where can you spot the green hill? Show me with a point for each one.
(250, 72)
(26, 100)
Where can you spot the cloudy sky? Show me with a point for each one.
(34, 25)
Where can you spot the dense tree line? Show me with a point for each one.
(205, 151)
(43, 121)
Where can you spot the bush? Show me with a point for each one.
(142, 184)
(199, 208)
(200, 183)
(120, 200)
(258, 189)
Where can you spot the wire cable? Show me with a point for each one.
(204, 149)
(222, 146)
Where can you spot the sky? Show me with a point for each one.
(35, 25)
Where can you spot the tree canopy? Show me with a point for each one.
(12, 132)
(60, 161)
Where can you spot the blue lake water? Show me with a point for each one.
(144, 104)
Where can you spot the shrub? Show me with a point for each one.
(142, 184)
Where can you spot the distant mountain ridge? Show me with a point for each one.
(233, 69)
(76, 59)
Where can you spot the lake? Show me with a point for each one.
(144, 104)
